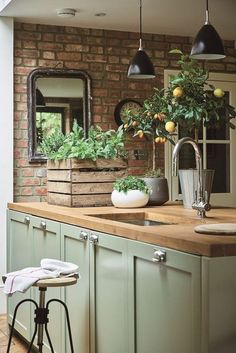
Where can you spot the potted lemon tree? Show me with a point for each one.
(151, 122)
(193, 103)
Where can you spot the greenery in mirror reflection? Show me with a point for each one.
(47, 124)
(99, 144)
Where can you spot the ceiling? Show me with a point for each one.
(182, 17)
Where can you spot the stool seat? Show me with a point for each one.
(56, 282)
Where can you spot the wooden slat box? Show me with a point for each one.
(78, 182)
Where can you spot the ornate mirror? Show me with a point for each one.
(56, 97)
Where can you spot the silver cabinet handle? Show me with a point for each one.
(159, 256)
(43, 225)
(27, 220)
(83, 235)
(93, 238)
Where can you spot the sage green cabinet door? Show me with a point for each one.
(46, 244)
(108, 293)
(19, 256)
(164, 301)
(75, 249)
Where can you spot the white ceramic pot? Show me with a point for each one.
(133, 198)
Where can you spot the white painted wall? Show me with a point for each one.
(6, 136)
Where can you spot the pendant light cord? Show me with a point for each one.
(207, 14)
(140, 25)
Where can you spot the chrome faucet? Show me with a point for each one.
(200, 203)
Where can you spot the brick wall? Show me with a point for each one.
(105, 55)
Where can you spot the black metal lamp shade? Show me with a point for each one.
(39, 98)
(141, 66)
(207, 44)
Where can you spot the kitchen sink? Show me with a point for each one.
(137, 218)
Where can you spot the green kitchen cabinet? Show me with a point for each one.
(29, 240)
(108, 294)
(131, 297)
(75, 249)
(164, 300)
(45, 236)
(19, 249)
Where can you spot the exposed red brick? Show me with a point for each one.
(77, 47)
(29, 62)
(48, 37)
(97, 49)
(29, 44)
(41, 191)
(26, 191)
(76, 65)
(27, 172)
(30, 181)
(50, 46)
(100, 92)
(27, 53)
(68, 56)
(94, 58)
(67, 38)
(105, 55)
(49, 55)
(28, 35)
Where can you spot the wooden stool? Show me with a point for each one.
(42, 311)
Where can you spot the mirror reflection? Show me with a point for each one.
(56, 97)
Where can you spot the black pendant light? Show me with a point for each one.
(40, 101)
(207, 44)
(141, 66)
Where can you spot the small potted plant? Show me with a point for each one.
(157, 182)
(130, 192)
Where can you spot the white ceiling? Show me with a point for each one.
(182, 17)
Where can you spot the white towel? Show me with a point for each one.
(63, 268)
(20, 281)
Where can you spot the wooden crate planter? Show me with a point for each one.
(77, 182)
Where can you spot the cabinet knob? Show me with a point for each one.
(93, 238)
(43, 225)
(83, 235)
(159, 256)
(27, 220)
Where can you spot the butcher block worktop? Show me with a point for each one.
(178, 234)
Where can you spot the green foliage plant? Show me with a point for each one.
(149, 121)
(198, 105)
(154, 173)
(131, 182)
(99, 144)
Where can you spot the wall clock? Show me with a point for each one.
(122, 106)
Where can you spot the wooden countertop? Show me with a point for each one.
(178, 235)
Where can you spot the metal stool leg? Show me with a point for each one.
(67, 319)
(14, 319)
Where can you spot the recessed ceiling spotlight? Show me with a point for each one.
(66, 12)
(100, 14)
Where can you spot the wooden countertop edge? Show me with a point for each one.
(185, 238)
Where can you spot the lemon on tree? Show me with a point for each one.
(219, 93)
(178, 92)
(170, 126)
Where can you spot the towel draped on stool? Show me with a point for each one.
(20, 281)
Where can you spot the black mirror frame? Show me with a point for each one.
(33, 155)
